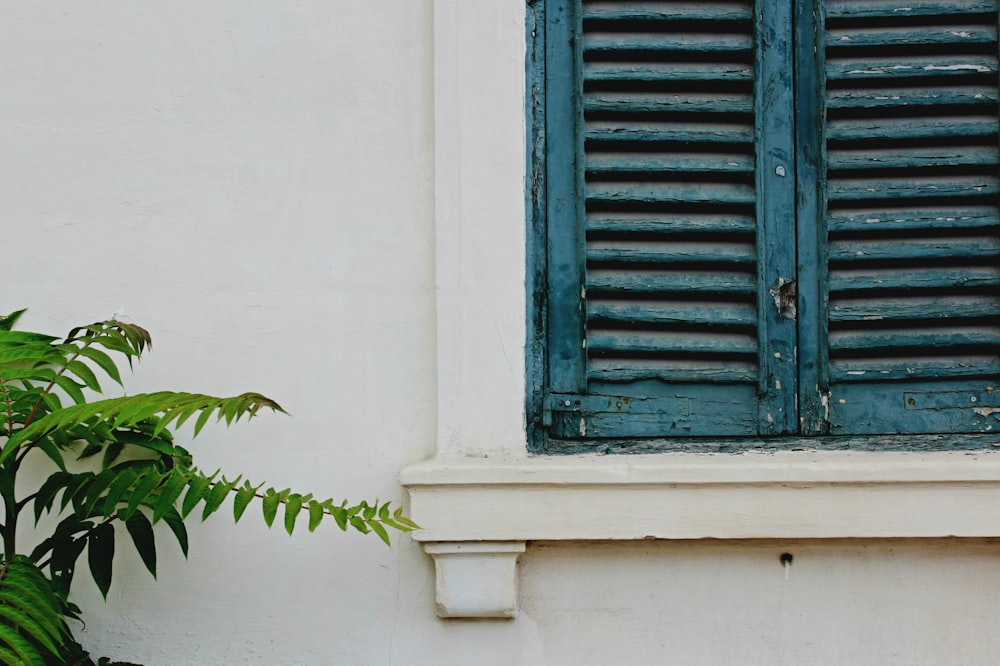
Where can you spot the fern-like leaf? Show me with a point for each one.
(128, 412)
(32, 628)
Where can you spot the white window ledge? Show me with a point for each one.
(500, 503)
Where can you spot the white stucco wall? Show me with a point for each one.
(261, 185)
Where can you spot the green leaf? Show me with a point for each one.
(380, 531)
(71, 388)
(96, 488)
(36, 604)
(103, 361)
(158, 444)
(28, 625)
(141, 531)
(23, 596)
(141, 492)
(25, 337)
(48, 491)
(90, 450)
(9, 657)
(128, 414)
(340, 515)
(176, 525)
(169, 493)
(137, 336)
(86, 375)
(100, 554)
(271, 502)
(293, 506)
(315, 515)
(243, 498)
(19, 644)
(217, 496)
(111, 453)
(7, 321)
(196, 491)
(78, 485)
(202, 419)
(125, 478)
(63, 565)
(398, 516)
(359, 524)
(114, 341)
(52, 451)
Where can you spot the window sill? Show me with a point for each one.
(466, 504)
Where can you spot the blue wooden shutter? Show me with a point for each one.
(911, 152)
(669, 162)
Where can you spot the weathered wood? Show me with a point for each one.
(694, 43)
(625, 370)
(915, 66)
(668, 11)
(645, 282)
(670, 252)
(654, 102)
(911, 407)
(620, 343)
(923, 248)
(657, 72)
(894, 369)
(839, 9)
(909, 36)
(670, 223)
(907, 278)
(912, 128)
(878, 98)
(618, 162)
(564, 264)
(667, 312)
(664, 131)
(851, 190)
(728, 193)
(913, 308)
(913, 338)
(913, 157)
(929, 217)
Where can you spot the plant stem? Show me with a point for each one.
(8, 531)
(10, 408)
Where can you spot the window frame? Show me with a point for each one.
(481, 492)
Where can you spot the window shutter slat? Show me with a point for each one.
(680, 10)
(911, 144)
(668, 171)
(851, 9)
(905, 218)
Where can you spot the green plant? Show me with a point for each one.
(115, 462)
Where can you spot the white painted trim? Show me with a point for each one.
(811, 495)
(480, 224)
(789, 495)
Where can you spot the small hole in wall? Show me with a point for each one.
(786, 559)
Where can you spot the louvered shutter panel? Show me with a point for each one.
(911, 148)
(656, 264)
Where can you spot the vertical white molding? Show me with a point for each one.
(479, 83)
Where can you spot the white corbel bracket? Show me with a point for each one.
(475, 578)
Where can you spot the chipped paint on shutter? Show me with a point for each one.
(667, 177)
(912, 215)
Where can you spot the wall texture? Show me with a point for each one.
(257, 183)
